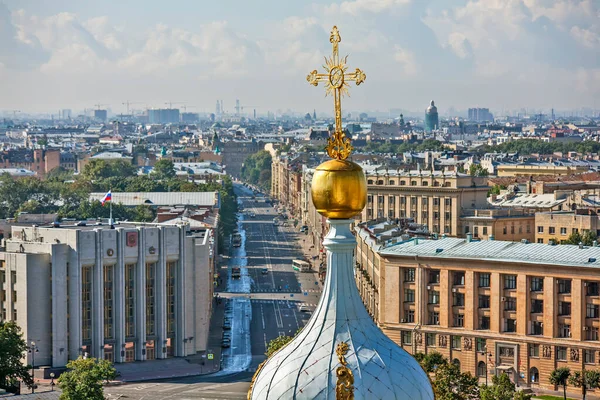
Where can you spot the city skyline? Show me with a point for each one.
(501, 55)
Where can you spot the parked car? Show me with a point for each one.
(303, 308)
(227, 325)
(264, 271)
(225, 344)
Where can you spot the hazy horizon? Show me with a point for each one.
(485, 53)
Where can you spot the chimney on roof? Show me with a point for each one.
(469, 237)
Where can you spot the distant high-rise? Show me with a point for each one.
(480, 114)
(189, 117)
(218, 108)
(66, 113)
(431, 117)
(100, 115)
(163, 116)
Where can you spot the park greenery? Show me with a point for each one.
(84, 379)
(13, 349)
(68, 195)
(529, 146)
(257, 169)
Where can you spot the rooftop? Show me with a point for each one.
(496, 250)
(206, 199)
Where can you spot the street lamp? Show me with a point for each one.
(52, 381)
(487, 356)
(417, 326)
(32, 350)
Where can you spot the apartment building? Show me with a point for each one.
(134, 293)
(499, 223)
(558, 226)
(436, 199)
(488, 306)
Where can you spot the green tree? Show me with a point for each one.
(501, 389)
(100, 169)
(589, 237)
(83, 380)
(451, 384)
(574, 238)
(257, 169)
(477, 170)
(521, 395)
(430, 362)
(560, 377)
(586, 380)
(164, 169)
(277, 344)
(12, 350)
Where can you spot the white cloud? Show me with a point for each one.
(357, 7)
(406, 59)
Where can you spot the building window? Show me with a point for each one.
(589, 356)
(434, 318)
(564, 308)
(481, 369)
(537, 284)
(410, 316)
(459, 278)
(564, 331)
(510, 325)
(480, 345)
(484, 279)
(540, 229)
(459, 320)
(108, 302)
(534, 350)
(510, 281)
(406, 337)
(561, 353)
(409, 274)
(130, 300)
(484, 301)
(448, 201)
(456, 343)
(436, 201)
(409, 295)
(484, 323)
(564, 286)
(402, 183)
(563, 231)
(537, 306)
(540, 240)
(592, 333)
(551, 230)
(392, 182)
(534, 375)
(458, 299)
(434, 297)
(592, 288)
(510, 304)
(413, 183)
(485, 231)
(434, 276)
(170, 292)
(150, 300)
(430, 337)
(537, 328)
(86, 303)
(591, 311)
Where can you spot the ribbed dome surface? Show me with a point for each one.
(306, 367)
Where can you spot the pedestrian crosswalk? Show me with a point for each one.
(290, 302)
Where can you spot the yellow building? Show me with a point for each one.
(489, 306)
(558, 226)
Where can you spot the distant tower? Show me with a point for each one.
(314, 114)
(431, 117)
(222, 110)
(218, 108)
(237, 106)
(401, 122)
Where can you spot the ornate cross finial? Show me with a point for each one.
(336, 78)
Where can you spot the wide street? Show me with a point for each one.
(264, 306)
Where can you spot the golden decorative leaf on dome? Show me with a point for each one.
(336, 78)
(344, 387)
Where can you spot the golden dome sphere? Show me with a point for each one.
(339, 189)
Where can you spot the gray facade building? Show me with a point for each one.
(431, 118)
(134, 293)
(163, 116)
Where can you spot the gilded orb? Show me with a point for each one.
(339, 189)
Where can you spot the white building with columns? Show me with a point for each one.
(132, 293)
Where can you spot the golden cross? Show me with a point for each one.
(336, 78)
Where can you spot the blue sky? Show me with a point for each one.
(502, 54)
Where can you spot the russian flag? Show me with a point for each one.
(107, 197)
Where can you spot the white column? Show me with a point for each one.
(98, 299)
(140, 299)
(180, 304)
(161, 299)
(119, 296)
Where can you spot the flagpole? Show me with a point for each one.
(110, 220)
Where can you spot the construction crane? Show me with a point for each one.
(15, 113)
(170, 103)
(128, 103)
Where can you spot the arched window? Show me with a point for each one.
(534, 375)
(380, 182)
(456, 362)
(425, 183)
(413, 183)
(481, 369)
(402, 183)
(392, 182)
(370, 181)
